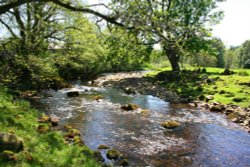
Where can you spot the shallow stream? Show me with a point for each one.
(203, 139)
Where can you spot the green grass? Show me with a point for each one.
(48, 149)
(226, 88)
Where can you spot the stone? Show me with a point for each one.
(217, 108)
(129, 90)
(8, 156)
(113, 154)
(229, 110)
(170, 124)
(68, 127)
(103, 147)
(74, 132)
(42, 128)
(73, 94)
(123, 163)
(54, 120)
(236, 120)
(209, 97)
(98, 156)
(43, 119)
(129, 106)
(186, 160)
(11, 142)
(78, 140)
(145, 112)
(98, 97)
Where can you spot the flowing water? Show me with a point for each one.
(203, 139)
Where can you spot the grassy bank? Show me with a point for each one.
(39, 149)
(193, 85)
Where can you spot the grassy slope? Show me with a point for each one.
(47, 149)
(230, 84)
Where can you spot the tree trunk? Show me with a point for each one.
(173, 58)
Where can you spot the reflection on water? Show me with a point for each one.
(203, 139)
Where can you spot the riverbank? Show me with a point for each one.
(27, 141)
(207, 90)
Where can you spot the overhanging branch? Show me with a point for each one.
(110, 19)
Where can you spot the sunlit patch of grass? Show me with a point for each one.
(226, 89)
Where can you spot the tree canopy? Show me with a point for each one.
(178, 26)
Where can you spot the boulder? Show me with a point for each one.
(129, 106)
(11, 142)
(123, 162)
(73, 93)
(43, 119)
(103, 147)
(98, 156)
(217, 108)
(113, 154)
(170, 124)
(54, 120)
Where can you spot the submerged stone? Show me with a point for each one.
(103, 147)
(170, 124)
(73, 94)
(123, 163)
(98, 156)
(129, 106)
(113, 154)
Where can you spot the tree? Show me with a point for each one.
(124, 52)
(179, 26)
(231, 57)
(82, 51)
(244, 55)
(219, 51)
(32, 27)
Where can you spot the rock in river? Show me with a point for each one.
(170, 124)
(103, 147)
(113, 154)
(73, 93)
(130, 106)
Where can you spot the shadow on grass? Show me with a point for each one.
(187, 84)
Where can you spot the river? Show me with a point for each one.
(203, 139)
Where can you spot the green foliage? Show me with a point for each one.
(83, 51)
(125, 52)
(244, 55)
(231, 57)
(179, 26)
(46, 149)
(31, 72)
(192, 85)
(31, 27)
